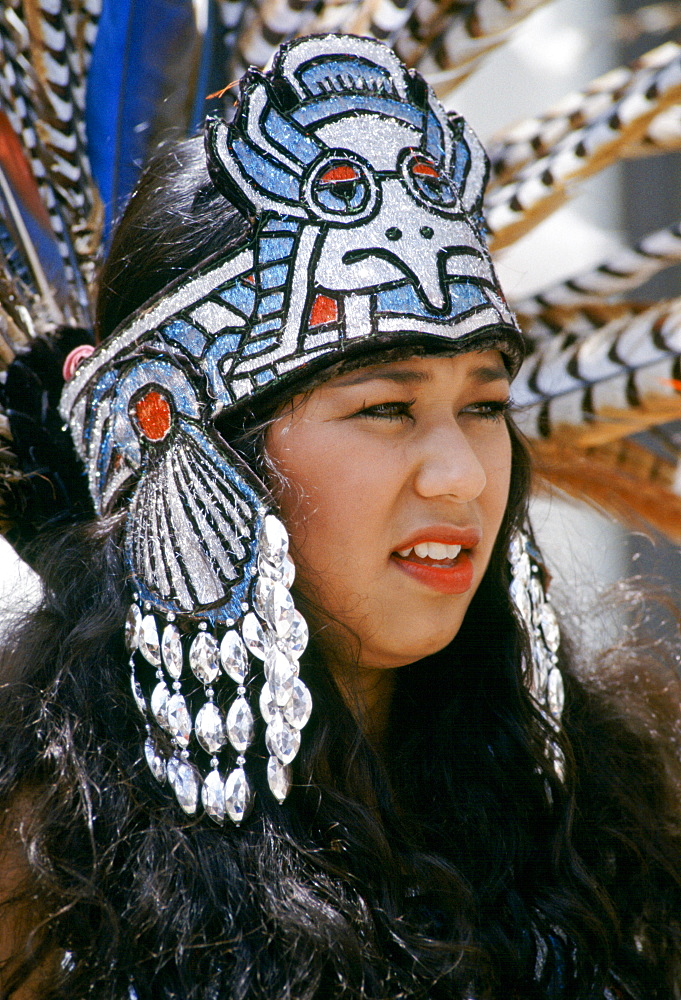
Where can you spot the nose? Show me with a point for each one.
(447, 465)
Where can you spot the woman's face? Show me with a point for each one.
(396, 479)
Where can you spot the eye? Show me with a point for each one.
(491, 409)
(341, 186)
(427, 182)
(398, 409)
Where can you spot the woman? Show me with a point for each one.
(409, 812)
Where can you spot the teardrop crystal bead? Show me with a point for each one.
(556, 693)
(204, 658)
(297, 712)
(185, 783)
(278, 778)
(149, 646)
(297, 638)
(233, 656)
(280, 609)
(521, 599)
(273, 539)
(155, 762)
(179, 719)
(159, 704)
(283, 741)
(240, 724)
(261, 593)
(549, 627)
(238, 796)
(210, 727)
(284, 573)
(281, 674)
(254, 636)
(268, 705)
(133, 625)
(213, 796)
(171, 648)
(138, 694)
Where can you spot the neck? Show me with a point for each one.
(368, 693)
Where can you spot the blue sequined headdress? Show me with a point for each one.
(368, 233)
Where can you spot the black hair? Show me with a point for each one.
(453, 864)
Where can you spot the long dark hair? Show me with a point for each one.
(452, 865)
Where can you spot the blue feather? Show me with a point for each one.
(134, 66)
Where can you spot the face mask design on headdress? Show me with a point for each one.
(367, 200)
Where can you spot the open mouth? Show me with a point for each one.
(430, 553)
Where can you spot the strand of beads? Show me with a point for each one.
(277, 635)
(534, 607)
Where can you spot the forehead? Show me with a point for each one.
(483, 366)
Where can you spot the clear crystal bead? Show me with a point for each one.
(521, 599)
(238, 796)
(297, 639)
(549, 627)
(240, 724)
(254, 636)
(133, 625)
(556, 693)
(185, 783)
(273, 540)
(179, 719)
(280, 609)
(159, 703)
(155, 762)
(210, 727)
(280, 673)
(171, 647)
(278, 778)
(283, 741)
(213, 796)
(542, 665)
(558, 758)
(268, 705)
(233, 656)
(537, 597)
(299, 708)
(522, 569)
(150, 647)
(284, 573)
(204, 658)
(261, 592)
(138, 694)
(516, 547)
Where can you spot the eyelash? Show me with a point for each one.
(493, 409)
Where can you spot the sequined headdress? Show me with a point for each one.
(368, 234)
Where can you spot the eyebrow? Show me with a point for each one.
(402, 376)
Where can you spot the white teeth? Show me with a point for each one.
(431, 550)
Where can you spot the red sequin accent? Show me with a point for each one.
(324, 310)
(340, 173)
(250, 278)
(154, 415)
(424, 169)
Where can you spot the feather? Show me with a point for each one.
(146, 52)
(542, 186)
(624, 480)
(616, 381)
(447, 41)
(533, 138)
(623, 271)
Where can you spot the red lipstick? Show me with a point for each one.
(446, 574)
